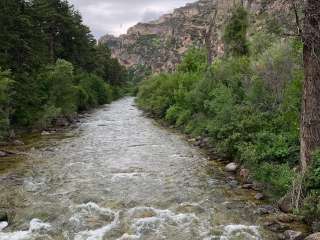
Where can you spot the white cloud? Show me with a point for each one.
(116, 16)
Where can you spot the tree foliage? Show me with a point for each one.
(55, 62)
(235, 34)
(238, 108)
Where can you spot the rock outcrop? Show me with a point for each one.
(160, 44)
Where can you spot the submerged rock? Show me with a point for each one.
(231, 167)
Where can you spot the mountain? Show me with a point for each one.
(160, 44)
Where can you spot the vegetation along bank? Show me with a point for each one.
(247, 105)
(51, 66)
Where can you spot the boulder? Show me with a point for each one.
(267, 209)
(231, 167)
(285, 204)
(315, 236)
(293, 235)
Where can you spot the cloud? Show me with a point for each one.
(116, 16)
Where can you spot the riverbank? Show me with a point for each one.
(275, 212)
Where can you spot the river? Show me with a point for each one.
(119, 175)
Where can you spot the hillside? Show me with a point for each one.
(161, 43)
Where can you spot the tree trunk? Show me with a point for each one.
(208, 39)
(310, 115)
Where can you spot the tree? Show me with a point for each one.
(235, 34)
(211, 34)
(5, 82)
(310, 115)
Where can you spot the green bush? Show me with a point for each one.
(235, 32)
(279, 176)
(311, 204)
(58, 87)
(236, 104)
(92, 91)
(5, 82)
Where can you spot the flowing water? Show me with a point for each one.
(119, 175)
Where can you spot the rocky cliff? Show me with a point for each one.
(160, 44)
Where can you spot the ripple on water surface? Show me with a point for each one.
(120, 176)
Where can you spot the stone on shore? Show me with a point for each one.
(231, 167)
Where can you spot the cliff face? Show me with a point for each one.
(160, 44)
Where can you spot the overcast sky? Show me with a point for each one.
(116, 16)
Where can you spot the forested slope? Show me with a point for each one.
(51, 65)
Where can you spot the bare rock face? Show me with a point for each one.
(160, 44)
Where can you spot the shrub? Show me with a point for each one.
(238, 106)
(5, 82)
(311, 204)
(57, 86)
(92, 91)
(277, 176)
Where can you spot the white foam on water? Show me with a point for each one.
(93, 208)
(90, 209)
(84, 212)
(99, 233)
(37, 228)
(157, 220)
(238, 231)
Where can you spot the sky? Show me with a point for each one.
(116, 16)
